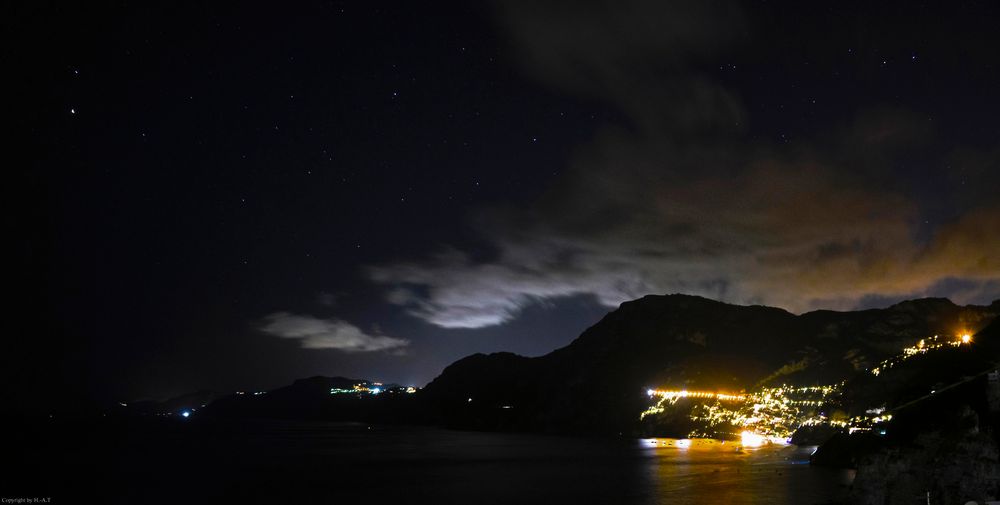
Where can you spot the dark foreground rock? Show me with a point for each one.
(942, 468)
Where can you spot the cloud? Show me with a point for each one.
(675, 200)
(777, 238)
(316, 333)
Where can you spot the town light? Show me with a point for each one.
(770, 415)
(751, 439)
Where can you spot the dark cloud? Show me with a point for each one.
(673, 202)
(317, 333)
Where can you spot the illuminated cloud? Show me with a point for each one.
(678, 200)
(790, 235)
(316, 333)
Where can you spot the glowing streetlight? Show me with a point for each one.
(966, 338)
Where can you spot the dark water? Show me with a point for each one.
(285, 463)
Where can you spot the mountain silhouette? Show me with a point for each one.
(597, 383)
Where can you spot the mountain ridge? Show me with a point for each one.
(595, 384)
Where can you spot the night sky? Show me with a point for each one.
(235, 196)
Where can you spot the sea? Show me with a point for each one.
(282, 462)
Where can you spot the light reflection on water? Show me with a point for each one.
(712, 471)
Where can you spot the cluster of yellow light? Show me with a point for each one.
(766, 415)
(922, 347)
(772, 413)
(651, 411)
(860, 423)
(751, 439)
(778, 411)
(671, 397)
(358, 388)
(374, 388)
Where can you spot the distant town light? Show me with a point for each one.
(185, 414)
(966, 338)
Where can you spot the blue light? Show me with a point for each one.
(376, 391)
(186, 414)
